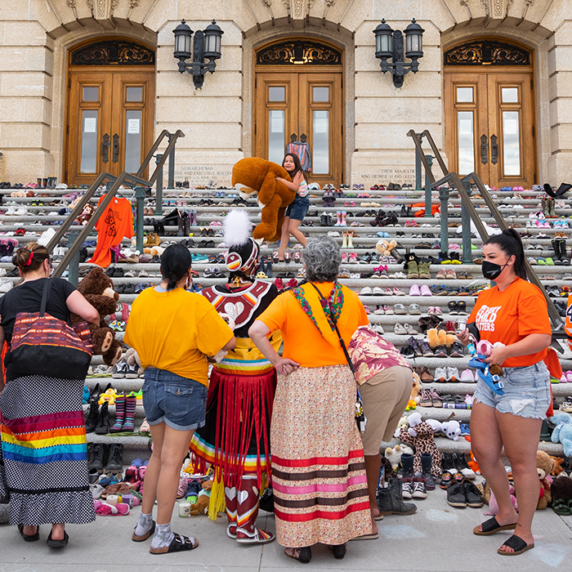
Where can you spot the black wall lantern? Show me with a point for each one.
(206, 46)
(389, 44)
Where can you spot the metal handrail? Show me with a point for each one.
(455, 181)
(111, 193)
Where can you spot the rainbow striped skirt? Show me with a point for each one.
(44, 447)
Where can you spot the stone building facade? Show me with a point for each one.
(494, 87)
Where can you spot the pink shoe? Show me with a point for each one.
(563, 378)
(183, 486)
(353, 258)
(388, 292)
(426, 292)
(467, 377)
(104, 509)
(398, 292)
(414, 290)
(569, 376)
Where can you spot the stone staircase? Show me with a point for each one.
(36, 218)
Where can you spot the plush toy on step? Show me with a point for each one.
(387, 248)
(544, 466)
(563, 432)
(452, 429)
(439, 338)
(394, 455)
(86, 214)
(490, 499)
(254, 176)
(557, 465)
(420, 436)
(132, 358)
(97, 289)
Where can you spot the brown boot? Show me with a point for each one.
(248, 495)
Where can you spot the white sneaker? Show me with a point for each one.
(406, 490)
(440, 374)
(22, 211)
(419, 491)
(452, 374)
(379, 329)
(377, 291)
(11, 211)
(365, 291)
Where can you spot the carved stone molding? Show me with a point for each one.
(299, 52)
(487, 52)
(113, 52)
(497, 9)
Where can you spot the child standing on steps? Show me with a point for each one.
(295, 212)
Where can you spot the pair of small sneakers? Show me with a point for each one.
(415, 290)
(123, 370)
(446, 374)
(413, 490)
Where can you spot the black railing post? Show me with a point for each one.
(159, 187)
(140, 198)
(418, 163)
(466, 223)
(444, 217)
(428, 189)
(171, 181)
(74, 262)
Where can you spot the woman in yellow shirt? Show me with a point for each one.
(173, 331)
(318, 468)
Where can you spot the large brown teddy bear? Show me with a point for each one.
(254, 175)
(544, 466)
(97, 288)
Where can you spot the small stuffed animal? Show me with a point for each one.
(437, 426)
(493, 504)
(452, 429)
(561, 488)
(420, 436)
(385, 247)
(416, 388)
(544, 466)
(97, 289)
(132, 358)
(203, 500)
(563, 432)
(86, 214)
(557, 465)
(394, 455)
(254, 175)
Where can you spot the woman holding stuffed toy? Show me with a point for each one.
(236, 436)
(297, 210)
(43, 430)
(512, 315)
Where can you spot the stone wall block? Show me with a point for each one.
(220, 83)
(28, 83)
(198, 109)
(201, 136)
(377, 84)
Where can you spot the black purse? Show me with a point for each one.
(359, 414)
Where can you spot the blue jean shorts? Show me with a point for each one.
(179, 402)
(298, 209)
(526, 392)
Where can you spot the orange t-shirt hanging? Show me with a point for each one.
(511, 315)
(113, 225)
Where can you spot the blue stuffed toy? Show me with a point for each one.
(563, 432)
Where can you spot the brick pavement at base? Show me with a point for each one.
(438, 538)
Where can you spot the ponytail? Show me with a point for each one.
(510, 243)
(175, 263)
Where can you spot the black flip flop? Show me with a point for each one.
(517, 544)
(57, 544)
(492, 526)
(27, 537)
(179, 543)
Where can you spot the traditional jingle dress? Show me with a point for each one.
(318, 467)
(236, 435)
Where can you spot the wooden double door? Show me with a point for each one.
(109, 122)
(303, 106)
(490, 125)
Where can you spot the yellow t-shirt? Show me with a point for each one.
(175, 331)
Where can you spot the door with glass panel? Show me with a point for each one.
(490, 126)
(110, 123)
(301, 107)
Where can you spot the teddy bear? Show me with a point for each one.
(203, 500)
(420, 436)
(544, 466)
(563, 432)
(97, 288)
(452, 429)
(254, 175)
(86, 214)
(132, 358)
(437, 338)
(394, 455)
(386, 248)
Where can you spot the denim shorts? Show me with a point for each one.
(179, 402)
(526, 391)
(298, 209)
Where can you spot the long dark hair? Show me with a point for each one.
(510, 243)
(175, 263)
(30, 258)
(297, 166)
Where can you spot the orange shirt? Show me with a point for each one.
(303, 342)
(115, 223)
(511, 315)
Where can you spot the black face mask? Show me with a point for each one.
(492, 271)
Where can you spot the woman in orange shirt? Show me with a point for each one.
(318, 468)
(513, 312)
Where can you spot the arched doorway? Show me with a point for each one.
(110, 109)
(299, 98)
(490, 114)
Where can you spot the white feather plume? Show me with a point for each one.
(236, 227)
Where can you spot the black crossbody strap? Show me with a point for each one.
(45, 297)
(337, 332)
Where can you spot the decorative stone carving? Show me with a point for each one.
(487, 52)
(133, 4)
(71, 3)
(113, 52)
(496, 8)
(299, 52)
